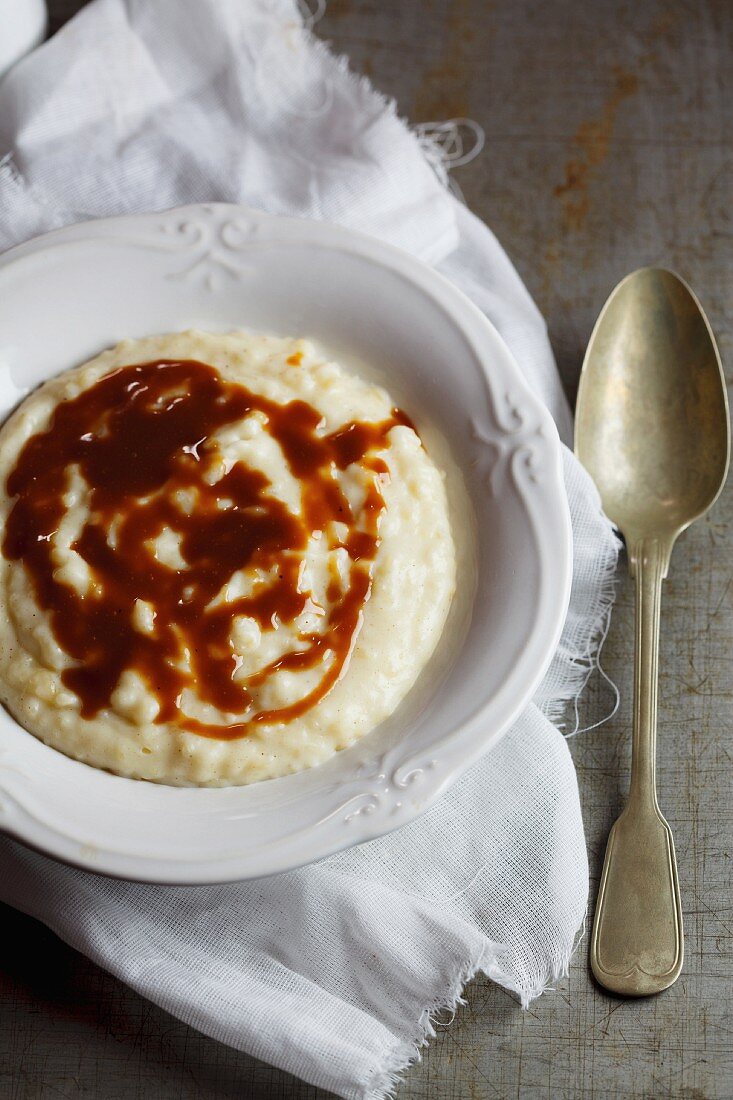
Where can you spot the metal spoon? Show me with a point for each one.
(652, 430)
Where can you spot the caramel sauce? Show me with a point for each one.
(141, 439)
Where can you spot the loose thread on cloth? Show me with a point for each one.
(580, 665)
(579, 937)
(450, 144)
(596, 666)
(312, 11)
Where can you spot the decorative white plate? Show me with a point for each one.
(66, 296)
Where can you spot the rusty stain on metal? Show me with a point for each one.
(591, 142)
(663, 24)
(444, 89)
(337, 9)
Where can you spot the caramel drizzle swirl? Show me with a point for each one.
(141, 435)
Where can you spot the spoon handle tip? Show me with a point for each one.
(637, 944)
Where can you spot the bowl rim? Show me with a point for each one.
(505, 706)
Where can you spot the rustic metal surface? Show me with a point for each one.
(609, 146)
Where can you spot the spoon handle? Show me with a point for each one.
(637, 942)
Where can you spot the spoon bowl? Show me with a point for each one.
(652, 420)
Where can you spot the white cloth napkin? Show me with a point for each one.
(333, 972)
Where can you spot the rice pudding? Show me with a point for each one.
(224, 559)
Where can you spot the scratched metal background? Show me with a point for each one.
(608, 129)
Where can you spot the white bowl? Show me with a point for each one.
(66, 296)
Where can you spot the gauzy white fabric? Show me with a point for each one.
(332, 972)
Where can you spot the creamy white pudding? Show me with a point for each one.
(224, 559)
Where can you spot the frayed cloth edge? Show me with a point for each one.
(387, 1078)
(580, 665)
